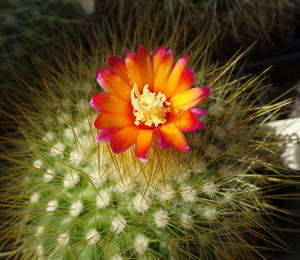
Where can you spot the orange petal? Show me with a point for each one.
(170, 134)
(114, 84)
(117, 65)
(157, 57)
(123, 139)
(143, 143)
(133, 71)
(108, 120)
(188, 99)
(175, 76)
(144, 61)
(163, 71)
(106, 102)
(187, 121)
(185, 83)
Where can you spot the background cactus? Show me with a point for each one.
(34, 27)
(234, 24)
(67, 197)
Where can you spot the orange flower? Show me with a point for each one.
(147, 96)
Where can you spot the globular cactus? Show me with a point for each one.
(69, 197)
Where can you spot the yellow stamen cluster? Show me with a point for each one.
(149, 107)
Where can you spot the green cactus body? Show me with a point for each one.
(79, 200)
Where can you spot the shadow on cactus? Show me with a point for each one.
(66, 196)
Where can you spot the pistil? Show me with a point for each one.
(149, 108)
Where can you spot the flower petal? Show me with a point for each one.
(143, 143)
(106, 102)
(117, 65)
(114, 84)
(144, 61)
(187, 121)
(188, 99)
(108, 120)
(133, 70)
(175, 76)
(170, 134)
(163, 71)
(198, 112)
(164, 141)
(186, 82)
(157, 57)
(106, 134)
(123, 139)
(92, 103)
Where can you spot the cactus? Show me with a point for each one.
(67, 197)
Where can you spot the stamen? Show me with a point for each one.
(149, 108)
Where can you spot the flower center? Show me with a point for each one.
(149, 108)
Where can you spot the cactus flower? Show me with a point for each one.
(147, 97)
